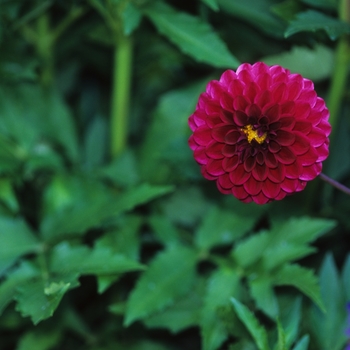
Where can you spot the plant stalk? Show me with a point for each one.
(120, 93)
(335, 183)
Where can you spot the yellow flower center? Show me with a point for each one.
(252, 134)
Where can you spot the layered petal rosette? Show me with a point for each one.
(261, 132)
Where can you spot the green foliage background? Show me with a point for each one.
(109, 236)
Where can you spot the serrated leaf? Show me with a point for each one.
(182, 314)
(221, 227)
(212, 4)
(313, 20)
(16, 277)
(222, 285)
(87, 214)
(303, 343)
(191, 35)
(169, 276)
(34, 302)
(302, 279)
(261, 289)
(330, 325)
(81, 260)
(314, 63)
(255, 329)
(256, 243)
(131, 18)
(16, 239)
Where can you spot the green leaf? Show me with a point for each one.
(222, 285)
(15, 278)
(170, 275)
(94, 207)
(311, 20)
(281, 343)
(164, 230)
(323, 4)
(39, 340)
(290, 318)
(256, 243)
(314, 63)
(7, 194)
(183, 313)
(330, 325)
(302, 279)
(131, 18)
(191, 35)
(346, 277)
(16, 240)
(261, 289)
(302, 344)
(255, 329)
(257, 13)
(40, 302)
(221, 227)
(84, 261)
(212, 4)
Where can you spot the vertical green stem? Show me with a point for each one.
(44, 47)
(121, 93)
(339, 78)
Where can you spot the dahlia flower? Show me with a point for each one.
(261, 132)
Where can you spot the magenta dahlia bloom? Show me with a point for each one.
(261, 132)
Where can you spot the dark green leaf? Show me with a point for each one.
(222, 285)
(313, 20)
(39, 340)
(131, 18)
(169, 276)
(16, 277)
(261, 289)
(212, 4)
(221, 227)
(346, 277)
(315, 64)
(182, 314)
(330, 325)
(255, 329)
(164, 230)
(281, 343)
(303, 343)
(302, 279)
(83, 261)
(191, 35)
(323, 4)
(16, 240)
(39, 301)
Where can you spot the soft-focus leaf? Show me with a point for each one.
(212, 4)
(256, 330)
(281, 342)
(164, 230)
(311, 20)
(290, 319)
(346, 277)
(221, 227)
(82, 261)
(7, 194)
(323, 4)
(315, 64)
(257, 13)
(329, 326)
(302, 279)
(303, 343)
(16, 240)
(15, 278)
(261, 290)
(39, 340)
(40, 302)
(191, 35)
(169, 276)
(182, 314)
(131, 18)
(222, 285)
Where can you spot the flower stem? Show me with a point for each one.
(335, 183)
(120, 93)
(339, 78)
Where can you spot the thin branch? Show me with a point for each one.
(335, 184)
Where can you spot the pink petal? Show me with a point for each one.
(200, 156)
(219, 132)
(239, 176)
(240, 118)
(236, 88)
(278, 92)
(228, 150)
(227, 77)
(289, 185)
(260, 172)
(271, 189)
(308, 158)
(232, 137)
(301, 144)
(225, 182)
(239, 192)
(251, 91)
(285, 156)
(202, 136)
(214, 150)
(285, 138)
(214, 167)
(309, 172)
(270, 160)
(249, 164)
(276, 175)
(240, 103)
(293, 171)
(260, 198)
(230, 164)
(252, 186)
